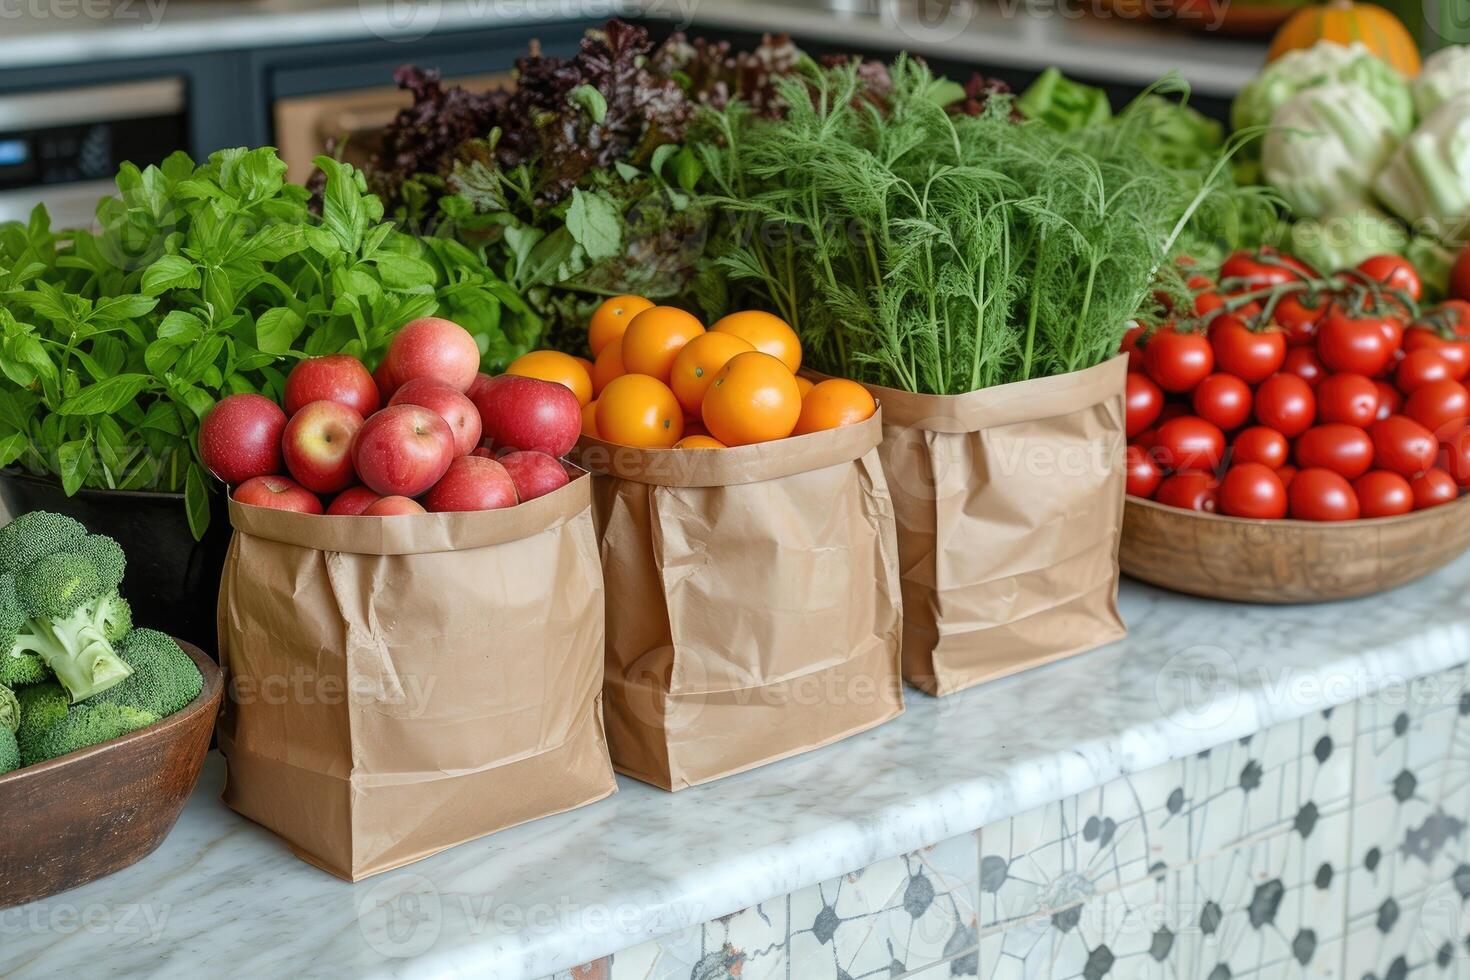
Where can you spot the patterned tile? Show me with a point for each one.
(751, 944)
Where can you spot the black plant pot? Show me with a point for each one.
(172, 580)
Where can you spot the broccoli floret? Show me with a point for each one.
(84, 725)
(61, 604)
(9, 709)
(34, 535)
(164, 678)
(9, 751)
(41, 706)
(16, 666)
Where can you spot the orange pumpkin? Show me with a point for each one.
(1344, 22)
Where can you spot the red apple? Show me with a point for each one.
(403, 450)
(391, 506)
(435, 348)
(484, 452)
(277, 493)
(337, 378)
(240, 438)
(528, 413)
(452, 406)
(317, 445)
(534, 474)
(383, 378)
(480, 381)
(472, 483)
(353, 501)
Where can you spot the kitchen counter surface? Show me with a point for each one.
(224, 897)
(995, 32)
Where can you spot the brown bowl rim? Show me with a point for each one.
(208, 695)
(1294, 523)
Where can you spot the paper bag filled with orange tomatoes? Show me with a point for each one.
(748, 545)
(1010, 509)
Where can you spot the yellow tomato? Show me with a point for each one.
(699, 442)
(589, 419)
(654, 339)
(698, 363)
(611, 319)
(553, 365)
(766, 333)
(835, 402)
(636, 410)
(803, 385)
(754, 399)
(609, 365)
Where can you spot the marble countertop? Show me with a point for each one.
(224, 897)
(1028, 34)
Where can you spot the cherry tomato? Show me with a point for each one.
(1267, 267)
(1454, 456)
(1419, 367)
(1178, 361)
(1298, 315)
(1454, 314)
(1305, 364)
(1189, 491)
(1251, 355)
(1130, 347)
(1442, 407)
(1145, 439)
(1457, 352)
(1393, 271)
(1344, 449)
(1145, 400)
(1224, 400)
(1390, 401)
(1190, 443)
(1348, 398)
(1460, 276)
(1353, 345)
(1402, 445)
(1252, 490)
(1432, 488)
(1318, 494)
(1259, 444)
(1285, 403)
(1286, 474)
(1383, 494)
(1144, 475)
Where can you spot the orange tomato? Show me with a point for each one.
(586, 364)
(754, 399)
(636, 410)
(765, 332)
(835, 402)
(553, 365)
(803, 385)
(699, 362)
(589, 419)
(654, 339)
(609, 365)
(699, 442)
(611, 319)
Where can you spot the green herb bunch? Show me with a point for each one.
(944, 253)
(201, 282)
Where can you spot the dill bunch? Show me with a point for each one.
(942, 253)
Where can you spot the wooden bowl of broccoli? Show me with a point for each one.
(104, 733)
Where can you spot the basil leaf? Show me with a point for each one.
(196, 500)
(277, 329)
(74, 461)
(105, 397)
(180, 327)
(123, 307)
(12, 447)
(170, 272)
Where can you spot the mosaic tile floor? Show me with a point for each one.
(1333, 846)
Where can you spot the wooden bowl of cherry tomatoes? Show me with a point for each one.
(1296, 438)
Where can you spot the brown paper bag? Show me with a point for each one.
(752, 601)
(1010, 507)
(400, 685)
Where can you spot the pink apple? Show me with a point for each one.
(277, 493)
(472, 483)
(353, 501)
(383, 378)
(337, 378)
(534, 474)
(403, 450)
(317, 445)
(240, 438)
(452, 406)
(480, 381)
(392, 506)
(434, 348)
(528, 413)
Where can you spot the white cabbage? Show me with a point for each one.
(1427, 182)
(1322, 64)
(1325, 146)
(1346, 236)
(1446, 74)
